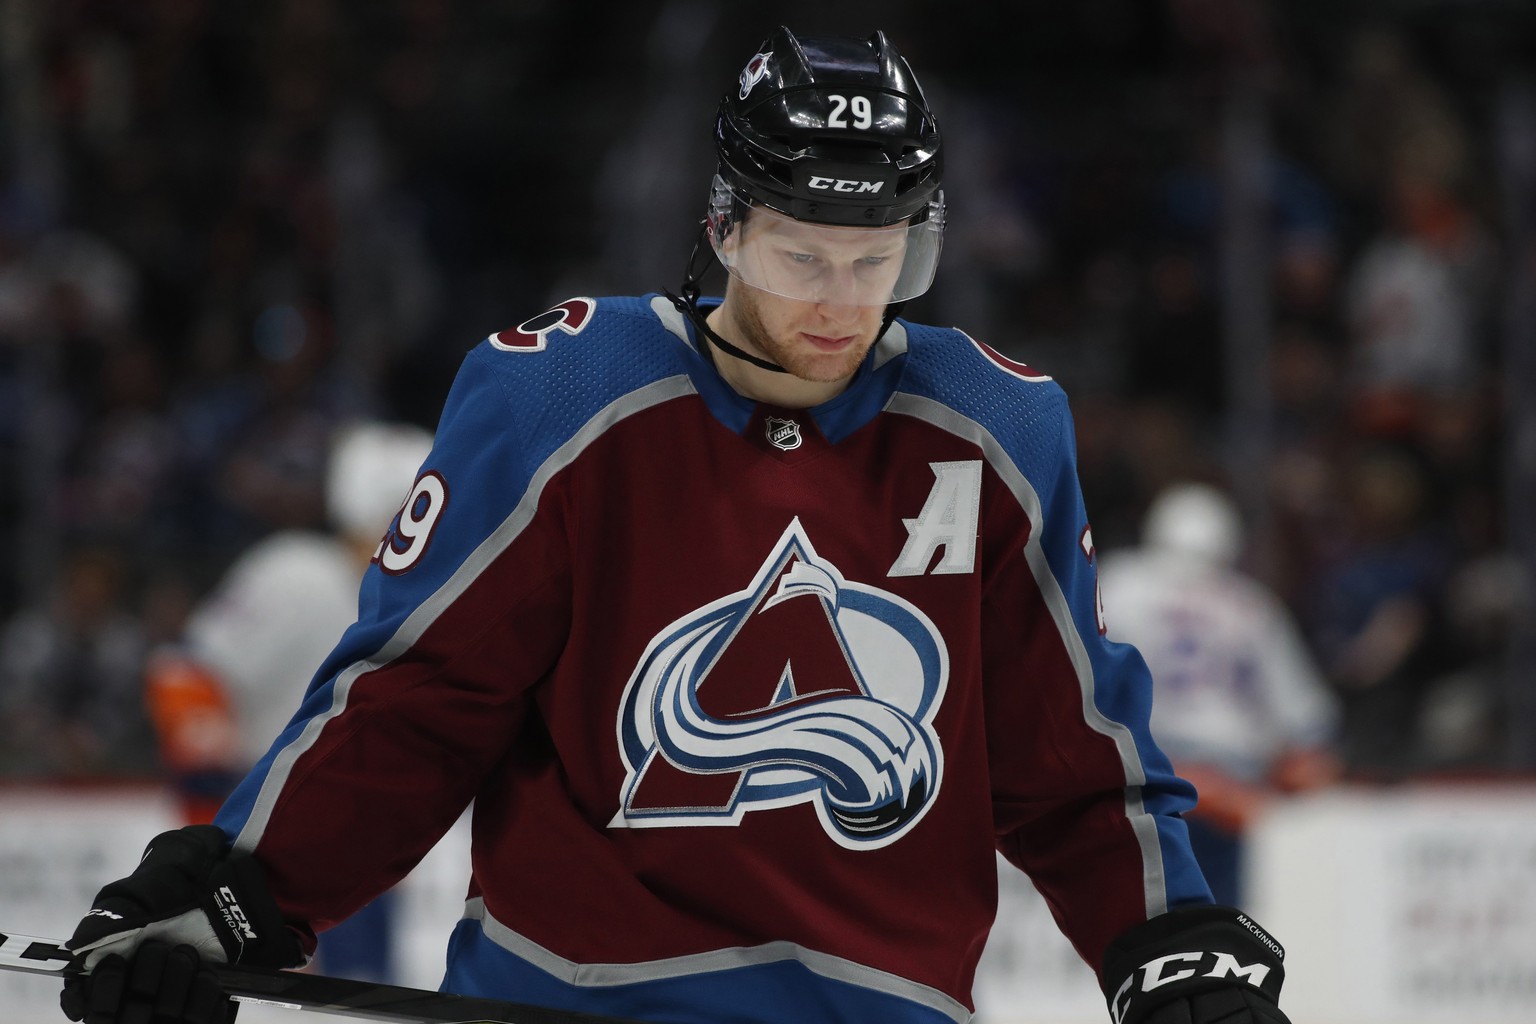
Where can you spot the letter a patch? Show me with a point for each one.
(948, 520)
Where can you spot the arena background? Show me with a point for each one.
(1285, 247)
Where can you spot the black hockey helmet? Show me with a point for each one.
(832, 130)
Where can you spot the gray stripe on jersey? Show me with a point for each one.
(427, 612)
(892, 344)
(825, 965)
(942, 416)
(671, 317)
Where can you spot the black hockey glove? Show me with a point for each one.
(1196, 965)
(142, 950)
(161, 983)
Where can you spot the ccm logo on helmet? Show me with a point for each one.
(844, 185)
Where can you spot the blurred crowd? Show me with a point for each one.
(228, 229)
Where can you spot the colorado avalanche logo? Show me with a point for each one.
(801, 688)
(755, 71)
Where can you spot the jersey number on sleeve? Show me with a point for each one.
(411, 531)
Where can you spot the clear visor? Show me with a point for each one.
(822, 263)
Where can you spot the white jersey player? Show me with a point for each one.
(1239, 704)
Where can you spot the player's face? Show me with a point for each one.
(818, 294)
(817, 342)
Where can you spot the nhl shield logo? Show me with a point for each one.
(783, 434)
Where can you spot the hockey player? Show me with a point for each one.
(217, 697)
(1241, 707)
(752, 627)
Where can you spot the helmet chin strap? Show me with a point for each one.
(688, 304)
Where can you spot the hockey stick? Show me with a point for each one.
(295, 991)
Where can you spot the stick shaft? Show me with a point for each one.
(318, 992)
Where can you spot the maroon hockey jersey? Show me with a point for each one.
(745, 698)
